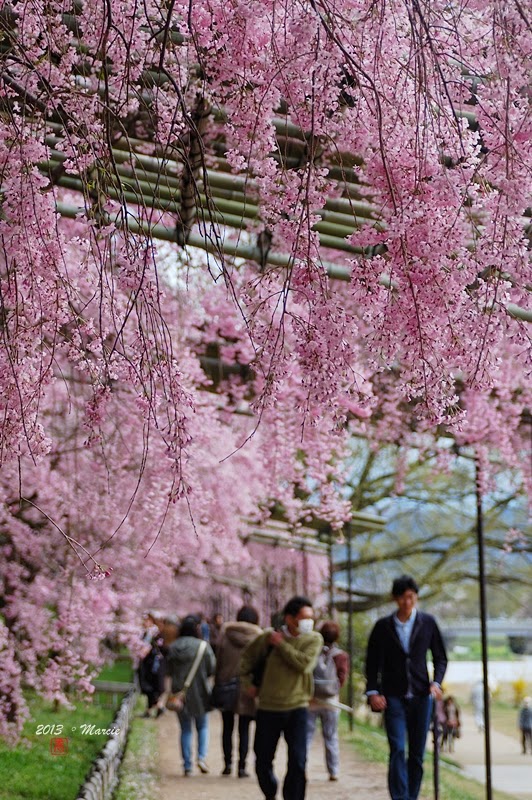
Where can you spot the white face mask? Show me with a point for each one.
(305, 625)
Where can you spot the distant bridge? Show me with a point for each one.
(501, 627)
(518, 631)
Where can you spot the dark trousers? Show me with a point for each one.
(293, 725)
(406, 718)
(228, 722)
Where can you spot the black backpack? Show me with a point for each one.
(326, 683)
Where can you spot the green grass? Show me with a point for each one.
(121, 670)
(30, 771)
(498, 650)
(371, 744)
(504, 718)
(138, 773)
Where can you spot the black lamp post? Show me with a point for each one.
(483, 624)
(350, 687)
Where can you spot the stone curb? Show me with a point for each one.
(103, 776)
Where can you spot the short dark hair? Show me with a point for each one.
(404, 584)
(330, 630)
(295, 604)
(189, 626)
(248, 614)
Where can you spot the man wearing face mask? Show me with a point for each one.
(287, 658)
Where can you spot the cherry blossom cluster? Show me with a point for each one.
(127, 471)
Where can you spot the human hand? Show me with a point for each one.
(436, 691)
(276, 637)
(252, 691)
(377, 702)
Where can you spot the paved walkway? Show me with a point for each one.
(511, 771)
(358, 778)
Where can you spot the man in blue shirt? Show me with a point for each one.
(398, 684)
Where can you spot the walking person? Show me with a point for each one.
(277, 667)
(150, 667)
(477, 701)
(451, 725)
(398, 684)
(439, 720)
(180, 660)
(525, 725)
(330, 674)
(234, 637)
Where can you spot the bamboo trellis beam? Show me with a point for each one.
(220, 246)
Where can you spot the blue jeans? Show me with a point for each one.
(202, 727)
(269, 726)
(406, 718)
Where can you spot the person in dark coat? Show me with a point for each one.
(234, 638)
(179, 660)
(150, 669)
(398, 684)
(525, 724)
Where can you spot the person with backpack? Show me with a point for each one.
(277, 667)
(330, 675)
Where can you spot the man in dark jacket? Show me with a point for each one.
(398, 684)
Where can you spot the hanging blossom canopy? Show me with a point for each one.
(358, 175)
(383, 143)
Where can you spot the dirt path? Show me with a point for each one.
(357, 777)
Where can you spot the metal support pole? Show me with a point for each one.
(350, 688)
(483, 626)
(305, 570)
(331, 579)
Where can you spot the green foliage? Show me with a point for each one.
(120, 670)
(30, 771)
(498, 650)
(431, 533)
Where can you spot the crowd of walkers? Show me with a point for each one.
(283, 679)
(265, 683)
